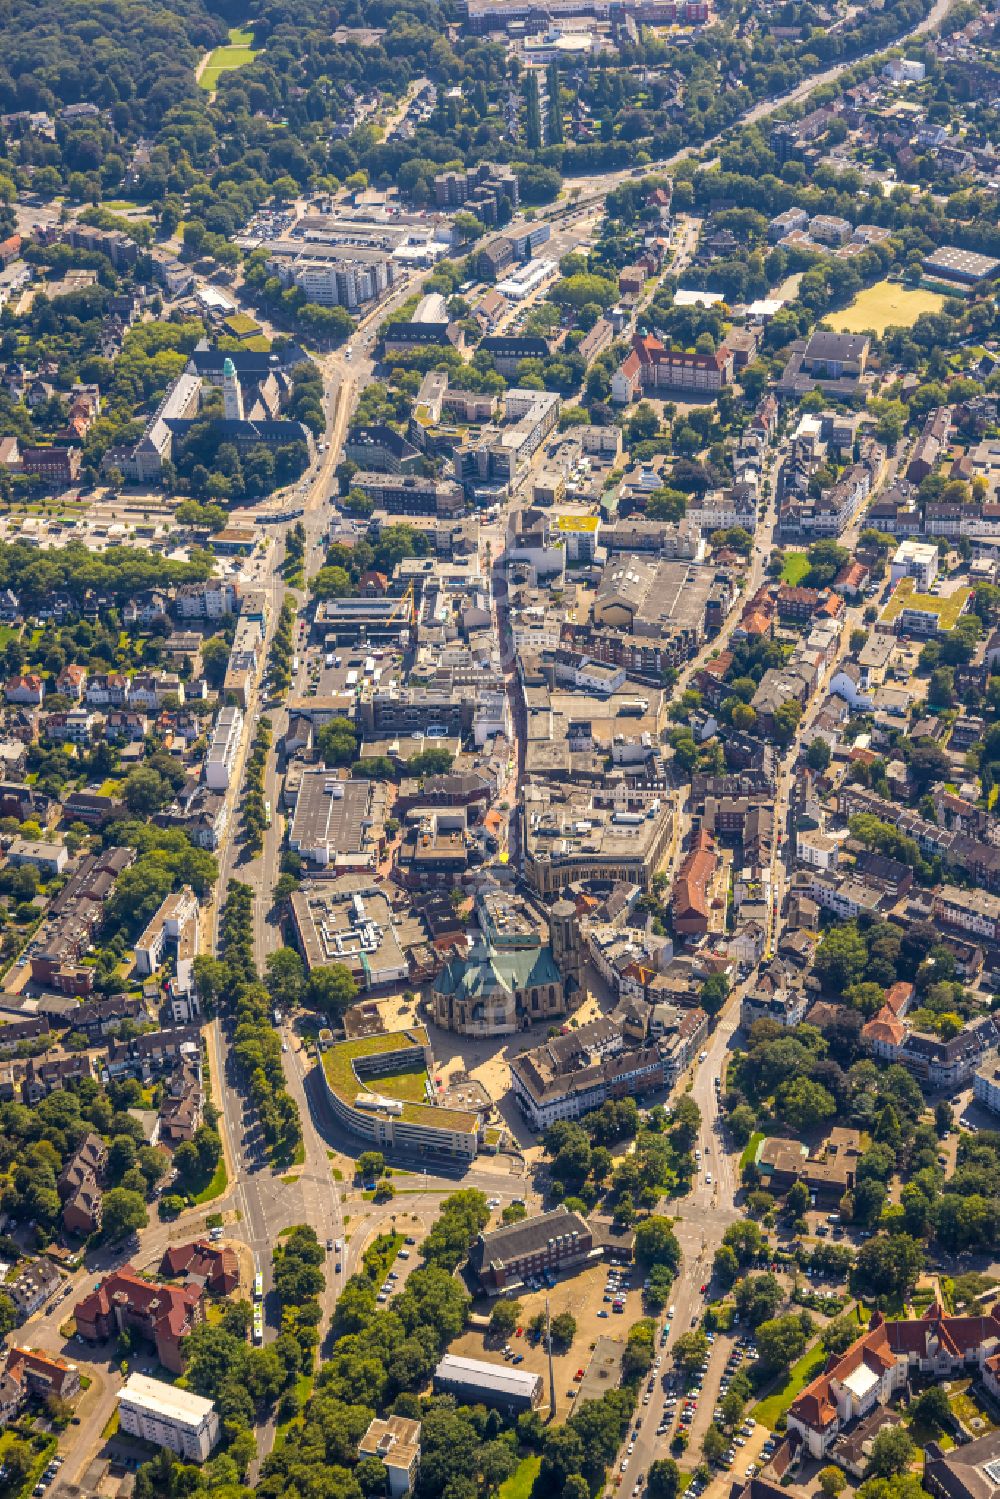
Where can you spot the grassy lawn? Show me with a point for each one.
(799, 1375)
(750, 1149)
(795, 568)
(44, 1448)
(216, 1186)
(409, 1086)
(303, 1389)
(521, 1481)
(922, 1434)
(239, 52)
(240, 324)
(884, 305)
(338, 1064)
(378, 1258)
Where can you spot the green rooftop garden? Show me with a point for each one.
(948, 607)
(338, 1064)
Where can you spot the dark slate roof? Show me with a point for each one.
(518, 1239)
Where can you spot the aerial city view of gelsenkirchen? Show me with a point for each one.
(499, 749)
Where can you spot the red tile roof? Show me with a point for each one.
(885, 1027)
(899, 998)
(884, 1342)
(55, 1371)
(143, 1297)
(690, 893)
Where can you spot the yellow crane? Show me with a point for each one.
(406, 600)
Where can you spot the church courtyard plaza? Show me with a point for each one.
(488, 1060)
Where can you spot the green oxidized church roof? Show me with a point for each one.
(487, 970)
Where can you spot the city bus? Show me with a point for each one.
(258, 1287)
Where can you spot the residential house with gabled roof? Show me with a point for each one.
(106, 690)
(30, 1372)
(28, 689)
(72, 680)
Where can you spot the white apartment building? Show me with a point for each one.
(186, 1423)
(601, 442)
(535, 628)
(986, 1086)
(396, 1443)
(177, 913)
(720, 510)
(904, 70)
(845, 897)
(492, 717)
(816, 849)
(213, 599)
(226, 737)
(915, 559)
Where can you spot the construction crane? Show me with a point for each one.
(406, 600)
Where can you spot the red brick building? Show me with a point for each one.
(689, 901)
(216, 1268)
(53, 464)
(161, 1315)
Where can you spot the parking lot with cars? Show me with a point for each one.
(602, 1299)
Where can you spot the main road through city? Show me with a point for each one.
(266, 1204)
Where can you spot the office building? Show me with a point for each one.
(350, 922)
(395, 1441)
(352, 1072)
(339, 824)
(568, 835)
(548, 1244)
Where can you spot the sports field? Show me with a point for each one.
(237, 54)
(884, 305)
